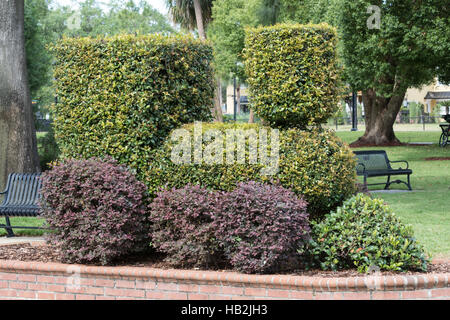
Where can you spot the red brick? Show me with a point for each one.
(7, 293)
(26, 294)
(324, 296)
(125, 284)
(356, 296)
(444, 292)
(95, 290)
(45, 279)
(64, 296)
(146, 285)
(37, 286)
(278, 293)
(84, 297)
(124, 292)
(255, 292)
(8, 276)
(219, 297)
(176, 296)
(210, 289)
(3, 284)
(104, 298)
(104, 283)
(169, 286)
(45, 296)
(386, 295)
(56, 288)
(17, 285)
(188, 287)
(87, 281)
(154, 295)
(197, 296)
(26, 277)
(233, 290)
(415, 294)
(301, 295)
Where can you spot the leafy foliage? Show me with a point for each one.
(121, 96)
(316, 165)
(96, 208)
(293, 73)
(366, 234)
(182, 226)
(260, 227)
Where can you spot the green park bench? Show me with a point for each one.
(375, 163)
(20, 199)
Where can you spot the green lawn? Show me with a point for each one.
(426, 208)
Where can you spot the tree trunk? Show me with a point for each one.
(380, 114)
(251, 118)
(18, 146)
(199, 19)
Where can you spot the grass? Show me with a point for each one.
(427, 208)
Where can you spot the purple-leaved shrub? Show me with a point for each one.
(97, 209)
(261, 227)
(182, 226)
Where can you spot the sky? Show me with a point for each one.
(159, 5)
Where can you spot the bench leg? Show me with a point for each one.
(388, 183)
(8, 228)
(409, 184)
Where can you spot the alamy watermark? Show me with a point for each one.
(374, 21)
(74, 21)
(212, 147)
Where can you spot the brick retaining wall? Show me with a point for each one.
(36, 280)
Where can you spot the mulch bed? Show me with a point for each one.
(437, 158)
(46, 253)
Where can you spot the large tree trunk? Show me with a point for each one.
(218, 115)
(18, 147)
(380, 114)
(251, 118)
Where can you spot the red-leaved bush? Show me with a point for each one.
(182, 226)
(261, 227)
(96, 208)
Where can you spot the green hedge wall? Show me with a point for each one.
(121, 96)
(293, 73)
(315, 164)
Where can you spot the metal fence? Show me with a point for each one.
(403, 123)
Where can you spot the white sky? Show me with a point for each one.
(159, 5)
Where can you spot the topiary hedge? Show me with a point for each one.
(314, 164)
(366, 234)
(292, 73)
(121, 96)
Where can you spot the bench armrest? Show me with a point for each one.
(407, 164)
(362, 165)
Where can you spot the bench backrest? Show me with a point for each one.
(372, 160)
(23, 189)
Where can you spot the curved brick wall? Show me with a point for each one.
(36, 280)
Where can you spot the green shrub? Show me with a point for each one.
(366, 234)
(292, 73)
(48, 149)
(316, 165)
(121, 96)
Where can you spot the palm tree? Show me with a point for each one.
(196, 14)
(191, 14)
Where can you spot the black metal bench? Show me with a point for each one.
(375, 163)
(20, 199)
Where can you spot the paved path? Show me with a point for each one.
(16, 240)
